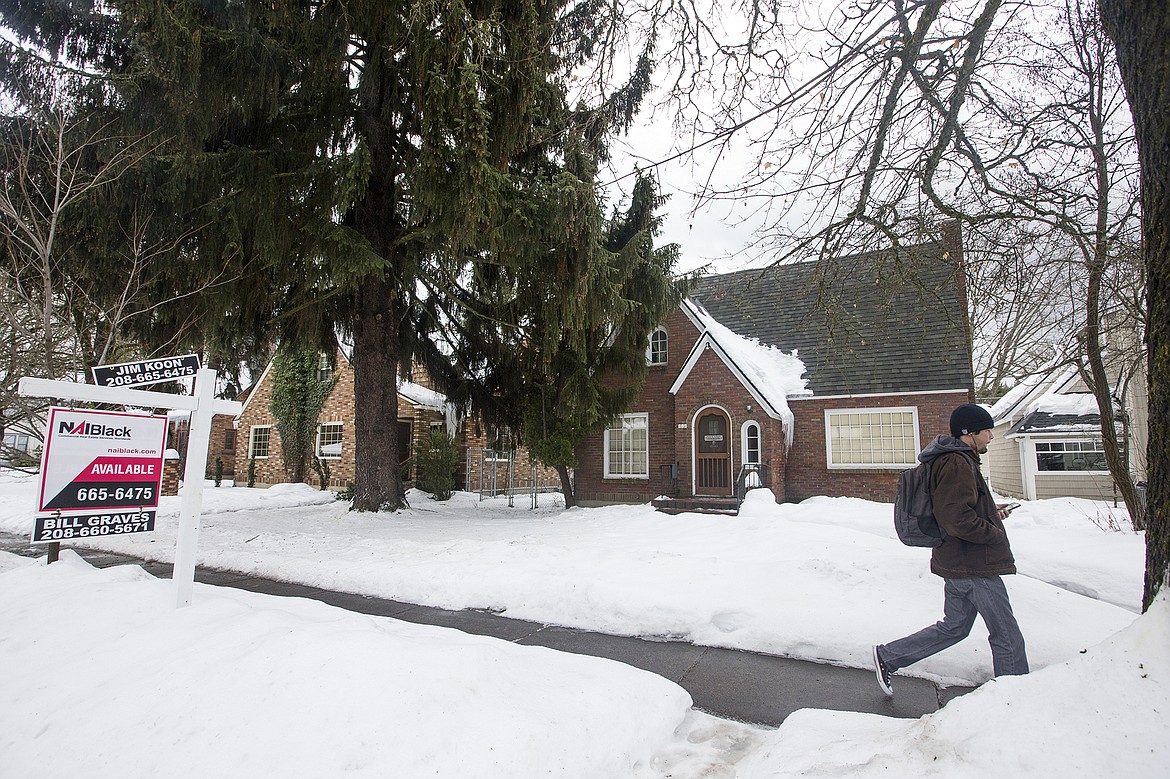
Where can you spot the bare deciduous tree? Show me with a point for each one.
(63, 311)
(868, 121)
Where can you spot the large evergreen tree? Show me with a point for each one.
(362, 166)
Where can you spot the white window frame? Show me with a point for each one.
(341, 440)
(252, 442)
(1065, 440)
(891, 465)
(644, 420)
(743, 435)
(17, 441)
(664, 353)
(324, 369)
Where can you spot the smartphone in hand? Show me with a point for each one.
(1008, 507)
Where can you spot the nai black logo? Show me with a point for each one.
(89, 429)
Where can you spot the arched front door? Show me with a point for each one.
(713, 453)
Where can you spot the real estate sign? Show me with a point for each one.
(65, 527)
(102, 467)
(133, 374)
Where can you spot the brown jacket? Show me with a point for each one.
(976, 542)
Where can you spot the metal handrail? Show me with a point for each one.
(762, 479)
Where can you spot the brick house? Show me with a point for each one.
(483, 450)
(419, 410)
(881, 346)
(221, 445)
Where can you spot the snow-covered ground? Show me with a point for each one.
(104, 677)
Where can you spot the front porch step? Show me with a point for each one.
(697, 505)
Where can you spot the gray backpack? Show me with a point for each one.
(914, 511)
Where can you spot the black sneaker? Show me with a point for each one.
(883, 673)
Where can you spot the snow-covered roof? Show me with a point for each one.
(1056, 412)
(1071, 404)
(1031, 388)
(422, 396)
(1041, 422)
(768, 373)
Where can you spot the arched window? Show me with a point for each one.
(751, 443)
(656, 349)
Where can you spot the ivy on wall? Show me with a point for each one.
(298, 395)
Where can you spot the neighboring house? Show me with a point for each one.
(221, 444)
(822, 378)
(258, 440)
(1047, 440)
(488, 460)
(23, 439)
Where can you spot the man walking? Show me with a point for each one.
(971, 559)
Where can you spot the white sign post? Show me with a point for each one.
(203, 405)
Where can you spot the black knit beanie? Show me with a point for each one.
(968, 419)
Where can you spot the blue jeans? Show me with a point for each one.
(964, 598)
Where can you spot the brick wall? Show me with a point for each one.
(339, 408)
(172, 473)
(658, 404)
(671, 422)
(222, 446)
(808, 471)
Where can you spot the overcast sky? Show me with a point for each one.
(710, 234)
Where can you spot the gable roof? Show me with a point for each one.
(874, 323)
(412, 393)
(1044, 404)
(769, 374)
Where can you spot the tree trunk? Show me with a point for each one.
(566, 486)
(377, 478)
(378, 315)
(1100, 384)
(297, 471)
(1141, 33)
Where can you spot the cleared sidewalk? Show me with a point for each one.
(744, 686)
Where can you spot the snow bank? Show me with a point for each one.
(105, 678)
(1103, 713)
